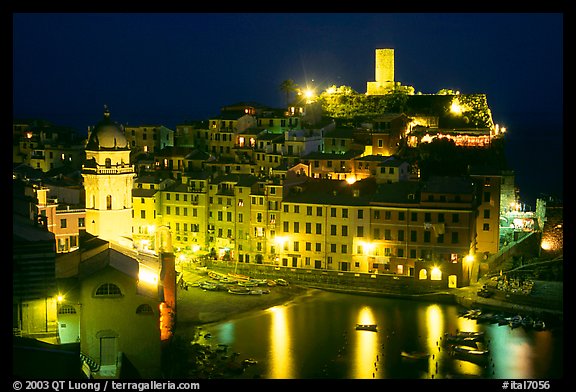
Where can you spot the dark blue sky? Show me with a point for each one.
(162, 68)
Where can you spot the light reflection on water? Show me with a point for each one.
(366, 347)
(316, 338)
(435, 328)
(281, 355)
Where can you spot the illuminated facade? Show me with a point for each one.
(386, 133)
(387, 228)
(384, 73)
(64, 222)
(110, 303)
(108, 181)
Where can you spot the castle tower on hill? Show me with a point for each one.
(384, 73)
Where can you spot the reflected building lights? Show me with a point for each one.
(435, 326)
(467, 367)
(281, 356)
(365, 363)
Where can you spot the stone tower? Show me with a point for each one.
(384, 74)
(108, 181)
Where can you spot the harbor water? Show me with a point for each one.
(315, 337)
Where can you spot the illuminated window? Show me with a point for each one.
(435, 274)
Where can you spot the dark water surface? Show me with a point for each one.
(315, 337)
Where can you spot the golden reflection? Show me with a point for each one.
(466, 324)
(435, 326)
(365, 364)
(467, 367)
(281, 365)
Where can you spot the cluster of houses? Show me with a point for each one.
(101, 222)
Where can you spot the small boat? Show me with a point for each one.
(464, 337)
(239, 290)
(270, 282)
(515, 321)
(250, 361)
(247, 283)
(238, 276)
(208, 286)
(415, 355)
(539, 325)
(367, 327)
(469, 351)
(281, 282)
(215, 275)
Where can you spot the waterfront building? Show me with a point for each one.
(489, 182)
(146, 205)
(380, 228)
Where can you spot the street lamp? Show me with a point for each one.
(469, 262)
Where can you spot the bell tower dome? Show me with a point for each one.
(108, 181)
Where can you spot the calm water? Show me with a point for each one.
(315, 337)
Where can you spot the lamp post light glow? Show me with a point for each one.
(435, 273)
(147, 275)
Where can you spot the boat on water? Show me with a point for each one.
(239, 290)
(470, 351)
(281, 282)
(469, 354)
(247, 283)
(208, 286)
(367, 327)
(415, 355)
(238, 277)
(464, 338)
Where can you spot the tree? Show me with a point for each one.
(288, 87)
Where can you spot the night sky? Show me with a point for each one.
(161, 68)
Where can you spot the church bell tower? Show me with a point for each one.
(108, 182)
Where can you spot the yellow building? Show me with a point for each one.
(384, 73)
(108, 182)
(488, 221)
(146, 205)
(110, 303)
